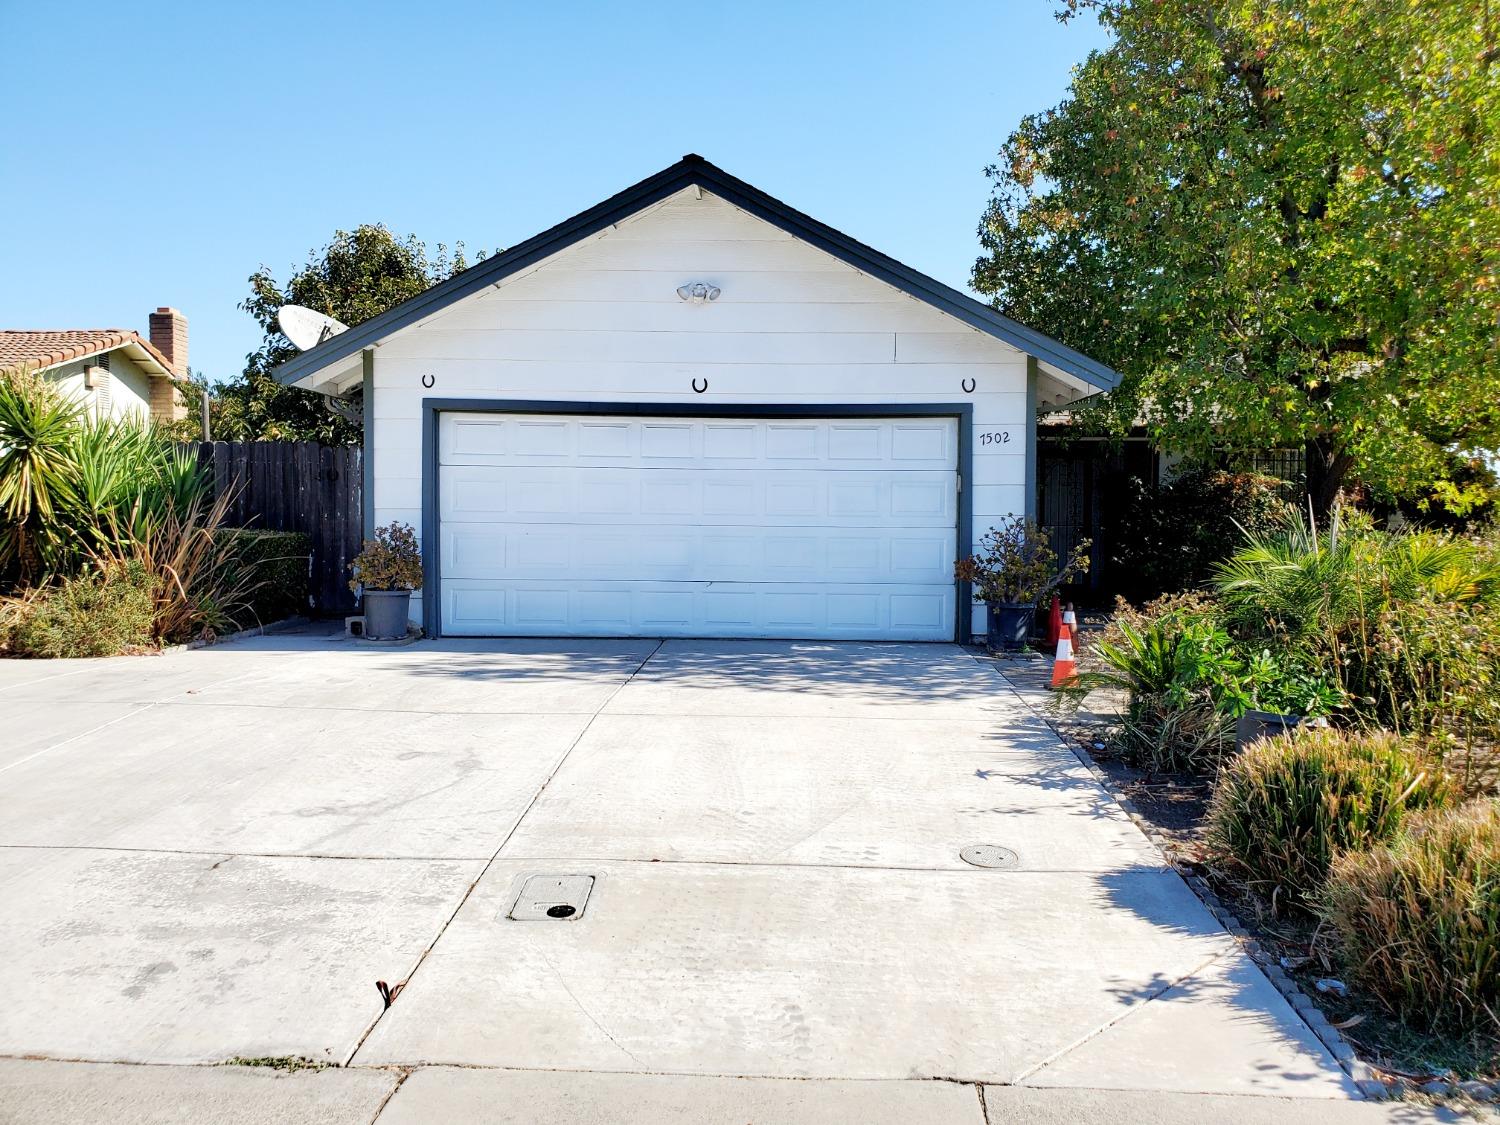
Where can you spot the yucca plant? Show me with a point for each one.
(118, 475)
(38, 450)
(1418, 921)
(72, 486)
(1287, 806)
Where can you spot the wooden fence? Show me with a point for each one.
(298, 486)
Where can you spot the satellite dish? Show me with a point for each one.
(306, 328)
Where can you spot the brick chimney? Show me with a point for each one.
(169, 336)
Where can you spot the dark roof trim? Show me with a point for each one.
(692, 169)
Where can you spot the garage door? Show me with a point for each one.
(603, 525)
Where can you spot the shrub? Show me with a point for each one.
(198, 586)
(96, 613)
(1408, 623)
(274, 565)
(1171, 537)
(1159, 735)
(390, 561)
(1433, 669)
(73, 487)
(1016, 565)
(1188, 679)
(1326, 587)
(1418, 922)
(1287, 806)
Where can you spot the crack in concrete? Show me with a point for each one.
(593, 1019)
(1121, 1018)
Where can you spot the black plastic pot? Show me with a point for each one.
(1009, 625)
(386, 612)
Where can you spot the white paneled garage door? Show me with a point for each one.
(614, 525)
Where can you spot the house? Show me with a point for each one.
(116, 372)
(694, 411)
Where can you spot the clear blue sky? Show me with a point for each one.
(157, 153)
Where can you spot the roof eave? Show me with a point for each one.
(686, 172)
(141, 352)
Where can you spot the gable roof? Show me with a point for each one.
(690, 170)
(41, 348)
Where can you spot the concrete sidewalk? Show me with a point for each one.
(52, 1093)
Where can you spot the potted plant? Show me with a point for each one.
(1013, 568)
(386, 571)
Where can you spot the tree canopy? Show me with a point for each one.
(1281, 223)
(358, 275)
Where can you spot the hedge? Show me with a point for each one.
(279, 561)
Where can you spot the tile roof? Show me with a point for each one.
(36, 348)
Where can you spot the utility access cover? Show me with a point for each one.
(552, 898)
(989, 855)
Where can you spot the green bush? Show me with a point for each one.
(1325, 587)
(93, 614)
(390, 561)
(1171, 537)
(1418, 922)
(1016, 565)
(1433, 670)
(273, 566)
(74, 487)
(1408, 622)
(1287, 806)
(1189, 679)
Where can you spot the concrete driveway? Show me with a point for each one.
(216, 854)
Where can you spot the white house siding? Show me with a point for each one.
(129, 386)
(601, 322)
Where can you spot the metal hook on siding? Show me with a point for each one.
(968, 385)
(699, 389)
(428, 380)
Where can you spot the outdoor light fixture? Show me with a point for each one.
(698, 292)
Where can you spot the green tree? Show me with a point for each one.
(1280, 221)
(358, 275)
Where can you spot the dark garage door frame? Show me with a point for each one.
(962, 412)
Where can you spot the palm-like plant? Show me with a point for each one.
(72, 486)
(38, 427)
(1297, 582)
(1145, 662)
(1305, 583)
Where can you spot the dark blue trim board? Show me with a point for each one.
(367, 397)
(688, 171)
(432, 595)
(1031, 382)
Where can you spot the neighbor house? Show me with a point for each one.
(694, 411)
(115, 372)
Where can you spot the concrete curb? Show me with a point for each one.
(1364, 1076)
(243, 634)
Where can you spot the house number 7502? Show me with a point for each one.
(995, 437)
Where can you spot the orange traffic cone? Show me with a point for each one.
(1064, 668)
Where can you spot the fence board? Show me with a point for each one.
(297, 486)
